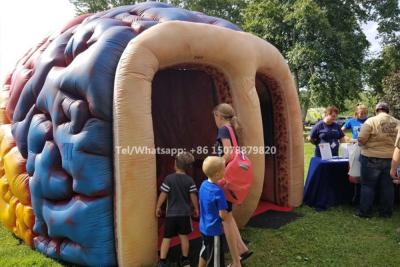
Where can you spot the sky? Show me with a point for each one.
(370, 29)
(24, 23)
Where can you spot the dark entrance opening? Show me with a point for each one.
(276, 141)
(182, 102)
(183, 99)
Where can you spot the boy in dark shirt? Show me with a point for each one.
(178, 189)
(213, 209)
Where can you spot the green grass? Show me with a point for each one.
(308, 154)
(14, 252)
(331, 238)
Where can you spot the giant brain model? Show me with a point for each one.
(81, 108)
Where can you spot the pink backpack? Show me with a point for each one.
(238, 174)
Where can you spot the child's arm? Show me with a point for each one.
(223, 214)
(160, 202)
(165, 188)
(228, 150)
(222, 205)
(193, 198)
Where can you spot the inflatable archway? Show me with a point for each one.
(83, 110)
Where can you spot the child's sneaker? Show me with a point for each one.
(162, 264)
(185, 263)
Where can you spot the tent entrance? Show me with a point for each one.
(275, 188)
(182, 102)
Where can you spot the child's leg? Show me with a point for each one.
(219, 252)
(242, 248)
(184, 245)
(205, 251)
(231, 239)
(185, 228)
(202, 262)
(164, 248)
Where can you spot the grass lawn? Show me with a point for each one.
(16, 253)
(331, 238)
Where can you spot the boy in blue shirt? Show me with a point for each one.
(213, 209)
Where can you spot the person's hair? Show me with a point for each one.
(359, 106)
(212, 165)
(228, 113)
(331, 109)
(382, 106)
(184, 161)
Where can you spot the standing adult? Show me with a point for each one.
(327, 131)
(224, 116)
(396, 160)
(377, 138)
(354, 124)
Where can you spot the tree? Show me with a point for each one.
(391, 92)
(226, 9)
(387, 15)
(367, 98)
(321, 39)
(377, 69)
(93, 6)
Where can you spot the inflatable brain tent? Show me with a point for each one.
(82, 108)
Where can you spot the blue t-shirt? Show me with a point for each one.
(325, 133)
(212, 200)
(355, 126)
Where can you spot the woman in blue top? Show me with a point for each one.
(360, 116)
(327, 131)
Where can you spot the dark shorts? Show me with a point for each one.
(174, 226)
(229, 209)
(207, 252)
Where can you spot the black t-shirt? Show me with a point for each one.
(223, 133)
(178, 186)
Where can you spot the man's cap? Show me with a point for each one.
(382, 106)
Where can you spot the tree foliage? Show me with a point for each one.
(377, 69)
(226, 9)
(92, 6)
(381, 71)
(367, 98)
(392, 92)
(387, 14)
(322, 41)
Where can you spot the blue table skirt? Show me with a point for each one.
(327, 183)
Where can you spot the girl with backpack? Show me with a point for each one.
(228, 125)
